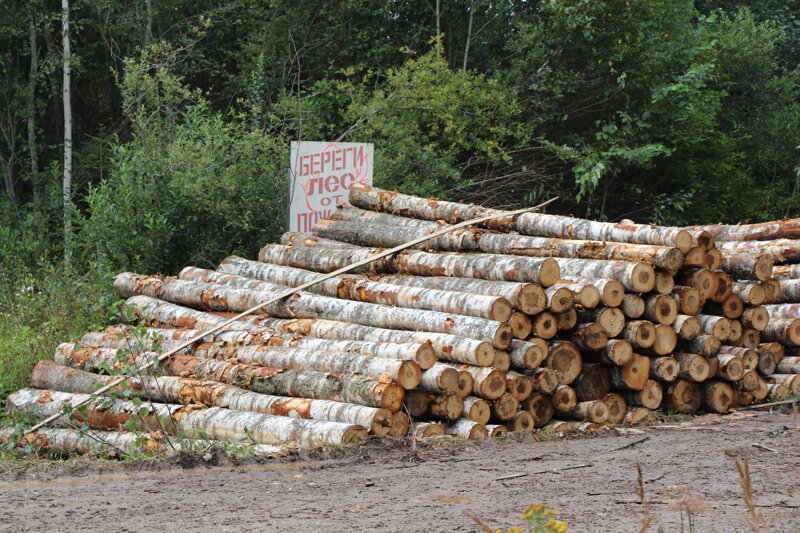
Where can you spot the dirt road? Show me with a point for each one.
(381, 486)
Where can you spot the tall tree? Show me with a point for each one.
(31, 102)
(67, 187)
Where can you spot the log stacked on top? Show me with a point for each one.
(531, 321)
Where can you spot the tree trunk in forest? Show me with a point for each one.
(33, 151)
(67, 99)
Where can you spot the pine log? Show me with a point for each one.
(640, 333)
(784, 330)
(786, 271)
(477, 409)
(564, 399)
(701, 279)
(717, 396)
(781, 250)
(544, 380)
(307, 305)
(687, 327)
(540, 406)
(666, 340)
(660, 309)
(706, 345)
(591, 336)
(593, 383)
(171, 389)
(633, 306)
(448, 406)
(665, 282)
(467, 429)
(719, 327)
(636, 277)
(633, 375)
(527, 297)
(566, 321)
(594, 411)
(730, 367)
(505, 407)
(527, 354)
(751, 293)
(683, 396)
(528, 223)
(639, 415)
(693, 367)
(743, 265)
(560, 299)
(426, 430)
(617, 407)
(544, 271)
(649, 396)
(239, 271)
(545, 326)
(213, 422)
(664, 369)
(523, 421)
(565, 359)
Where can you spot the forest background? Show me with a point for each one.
(179, 116)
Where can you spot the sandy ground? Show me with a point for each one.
(387, 486)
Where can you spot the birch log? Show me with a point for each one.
(786, 271)
(362, 232)
(527, 297)
(482, 266)
(352, 288)
(172, 389)
(682, 396)
(633, 306)
(687, 327)
(297, 239)
(213, 422)
(781, 250)
(636, 277)
(747, 266)
(777, 229)
(307, 305)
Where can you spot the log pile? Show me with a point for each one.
(530, 321)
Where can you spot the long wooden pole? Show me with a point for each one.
(113, 383)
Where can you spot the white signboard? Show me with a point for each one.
(320, 175)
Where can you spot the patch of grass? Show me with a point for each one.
(39, 313)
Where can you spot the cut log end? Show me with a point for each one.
(549, 272)
(521, 325)
(503, 336)
(409, 374)
(531, 299)
(392, 397)
(500, 310)
(522, 421)
(643, 277)
(666, 339)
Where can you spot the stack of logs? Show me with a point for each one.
(530, 321)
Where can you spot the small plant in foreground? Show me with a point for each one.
(541, 518)
(686, 500)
